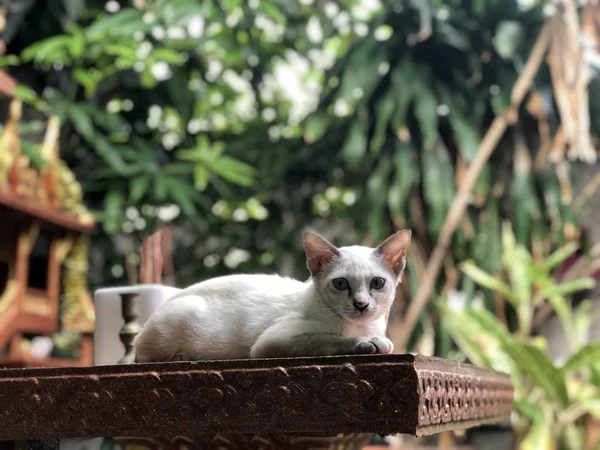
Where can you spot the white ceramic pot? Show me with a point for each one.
(108, 348)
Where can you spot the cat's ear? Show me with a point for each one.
(319, 252)
(394, 250)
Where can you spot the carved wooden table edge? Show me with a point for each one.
(384, 394)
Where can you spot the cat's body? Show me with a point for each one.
(251, 316)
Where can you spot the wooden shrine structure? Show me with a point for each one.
(43, 248)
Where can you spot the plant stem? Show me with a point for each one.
(525, 319)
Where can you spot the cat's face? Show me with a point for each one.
(357, 283)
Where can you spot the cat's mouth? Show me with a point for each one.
(361, 315)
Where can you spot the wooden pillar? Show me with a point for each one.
(53, 277)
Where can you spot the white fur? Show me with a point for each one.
(242, 316)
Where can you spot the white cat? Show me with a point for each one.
(342, 309)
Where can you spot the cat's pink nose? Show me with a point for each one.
(361, 306)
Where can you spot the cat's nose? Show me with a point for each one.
(360, 305)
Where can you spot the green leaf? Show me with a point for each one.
(88, 79)
(559, 256)
(509, 243)
(110, 155)
(76, 44)
(563, 311)
(531, 359)
(592, 406)
(438, 185)
(527, 410)
(315, 127)
(178, 168)
(138, 187)
(383, 112)
(584, 357)
(489, 281)
(508, 36)
(452, 36)
(463, 335)
(568, 287)
(426, 112)
(364, 59)
(467, 136)
(272, 10)
(406, 174)
(31, 151)
(540, 368)
(402, 96)
(167, 55)
(376, 190)
(355, 146)
(116, 24)
(161, 187)
(29, 96)
(426, 12)
(539, 436)
(183, 195)
(9, 60)
(201, 176)
(234, 171)
(47, 50)
(518, 262)
(73, 8)
(82, 122)
(147, 79)
(113, 210)
(573, 436)
(123, 50)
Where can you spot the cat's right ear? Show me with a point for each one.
(319, 252)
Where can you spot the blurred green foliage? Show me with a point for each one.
(242, 122)
(551, 397)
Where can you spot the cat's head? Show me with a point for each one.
(357, 283)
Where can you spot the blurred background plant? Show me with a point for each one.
(241, 122)
(552, 397)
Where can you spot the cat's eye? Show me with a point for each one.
(377, 283)
(341, 284)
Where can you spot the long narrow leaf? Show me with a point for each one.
(584, 357)
(488, 281)
(531, 359)
(539, 436)
(464, 339)
(569, 287)
(592, 406)
(559, 255)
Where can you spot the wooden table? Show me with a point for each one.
(297, 396)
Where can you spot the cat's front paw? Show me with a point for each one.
(379, 345)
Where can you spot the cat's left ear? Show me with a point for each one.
(394, 250)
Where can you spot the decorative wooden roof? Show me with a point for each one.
(48, 192)
(16, 206)
(309, 396)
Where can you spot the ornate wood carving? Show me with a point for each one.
(308, 396)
